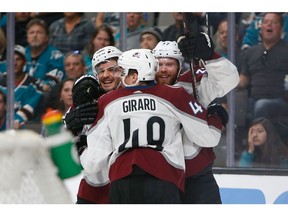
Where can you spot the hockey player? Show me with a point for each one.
(206, 156)
(93, 188)
(214, 78)
(138, 132)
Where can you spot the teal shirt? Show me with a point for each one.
(246, 159)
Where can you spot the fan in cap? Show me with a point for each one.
(150, 37)
(20, 50)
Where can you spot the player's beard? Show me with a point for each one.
(169, 80)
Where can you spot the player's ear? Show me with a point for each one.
(135, 77)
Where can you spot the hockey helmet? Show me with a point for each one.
(103, 55)
(168, 49)
(141, 60)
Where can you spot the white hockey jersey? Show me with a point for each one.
(151, 118)
(218, 78)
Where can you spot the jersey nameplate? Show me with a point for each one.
(138, 104)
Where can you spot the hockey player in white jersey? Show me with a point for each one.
(138, 132)
(214, 78)
(93, 188)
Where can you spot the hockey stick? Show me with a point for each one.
(191, 29)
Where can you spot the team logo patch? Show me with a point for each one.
(136, 55)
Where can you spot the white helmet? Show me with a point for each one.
(168, 49)
(103, 55)
(141, 60)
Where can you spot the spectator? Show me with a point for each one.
(27, 92)
(21, 20)
(63, 101)
(135, 25)
(253, 32)
(44, 61)
(70, 33)
(65, 95)
(265, 148)
(221, 42)
(103, 36)
(3, 107)
(150, 37)
(74, 66)
(263, 71)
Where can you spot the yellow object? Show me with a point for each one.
(52, 117)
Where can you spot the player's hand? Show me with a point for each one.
(220, 111)
(86, 89)
(77, 117)
(200, 47)
(81, 144)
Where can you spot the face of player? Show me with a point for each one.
(36, 36)
(66, 93)
(148, 41)
(108, 75)
(168, 71)
(73, 66)
(258, 134)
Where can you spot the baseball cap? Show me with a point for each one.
(20, 50)
(155, 31)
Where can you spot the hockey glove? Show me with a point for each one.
(220, 111)
(86, 89)
(81, 144)
(200, 47)
(77, 117)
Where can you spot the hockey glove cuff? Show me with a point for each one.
(220, 111)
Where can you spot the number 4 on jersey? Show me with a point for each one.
(196, 107)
